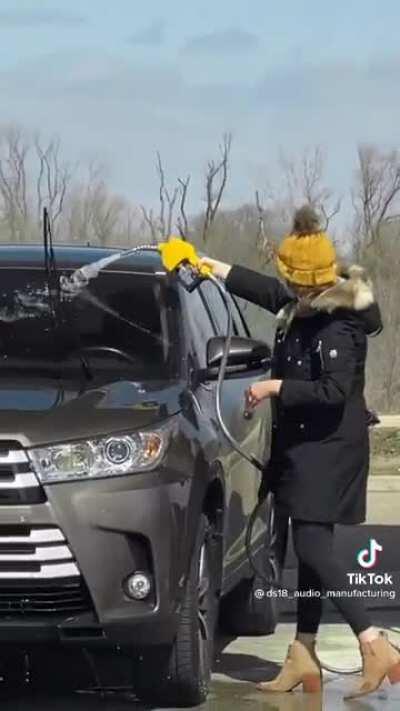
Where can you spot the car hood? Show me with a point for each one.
(43, 412)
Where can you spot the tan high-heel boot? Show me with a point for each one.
(301, 666)
(380, 658)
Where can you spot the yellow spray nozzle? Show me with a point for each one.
(177, 251)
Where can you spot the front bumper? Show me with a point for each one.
(85, 630)
(112, 527)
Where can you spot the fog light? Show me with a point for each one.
(138, 586)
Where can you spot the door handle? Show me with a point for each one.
(248, 414)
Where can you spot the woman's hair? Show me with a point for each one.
(306, 221)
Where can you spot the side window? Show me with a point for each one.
(259, 322)
(242, 327)
(217, 308)
(198, 320)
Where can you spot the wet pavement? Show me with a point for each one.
(241, 662)
(248, 660)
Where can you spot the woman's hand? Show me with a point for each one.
(260, 391)
(219, 269)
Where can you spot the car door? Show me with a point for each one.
(242, 478)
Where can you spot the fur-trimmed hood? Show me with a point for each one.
(354, 293)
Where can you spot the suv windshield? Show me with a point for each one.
(132, 313)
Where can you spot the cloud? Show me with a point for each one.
(153, 35)
(233, 40)
(309, 89)
(338, 85)
(82, 78)
(123, 110)
(305, 87)
(88, 77)
(39, 18)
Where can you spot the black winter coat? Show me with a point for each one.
(320, 443)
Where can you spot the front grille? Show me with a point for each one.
(38, 573)
(18, 483)
(28, 599)
(35, 552)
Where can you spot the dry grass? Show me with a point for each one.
(385, 451)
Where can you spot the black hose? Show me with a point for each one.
(269, 582)
(221, 378)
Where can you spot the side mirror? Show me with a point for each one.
(244, 354)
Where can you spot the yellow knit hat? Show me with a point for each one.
(307, 256)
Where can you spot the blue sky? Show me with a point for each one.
(121, 80)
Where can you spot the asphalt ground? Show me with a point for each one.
(240, 663)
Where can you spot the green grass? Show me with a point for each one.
(385, 452)
(385, 443)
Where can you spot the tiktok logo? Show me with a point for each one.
(367, 557)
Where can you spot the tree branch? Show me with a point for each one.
(183, 224)
(265, 246)
(214, 196)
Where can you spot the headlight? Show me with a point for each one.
(96, 458)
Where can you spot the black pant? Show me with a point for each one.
(320, 571)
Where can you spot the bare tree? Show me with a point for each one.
(106, 214)
(13, 181)
(265, 245)
(183, 223)
(376, 197)
(382, 259)
(32, 176)
(167, 201)
(376, 202)
(95, 215)
(162, 224)
(216, 179)
(150, 221)
(53, 178)
(305, 182)
(172, 212)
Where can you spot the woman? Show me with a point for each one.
(320, 448)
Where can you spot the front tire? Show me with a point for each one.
(243, 611)
(181, 676)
